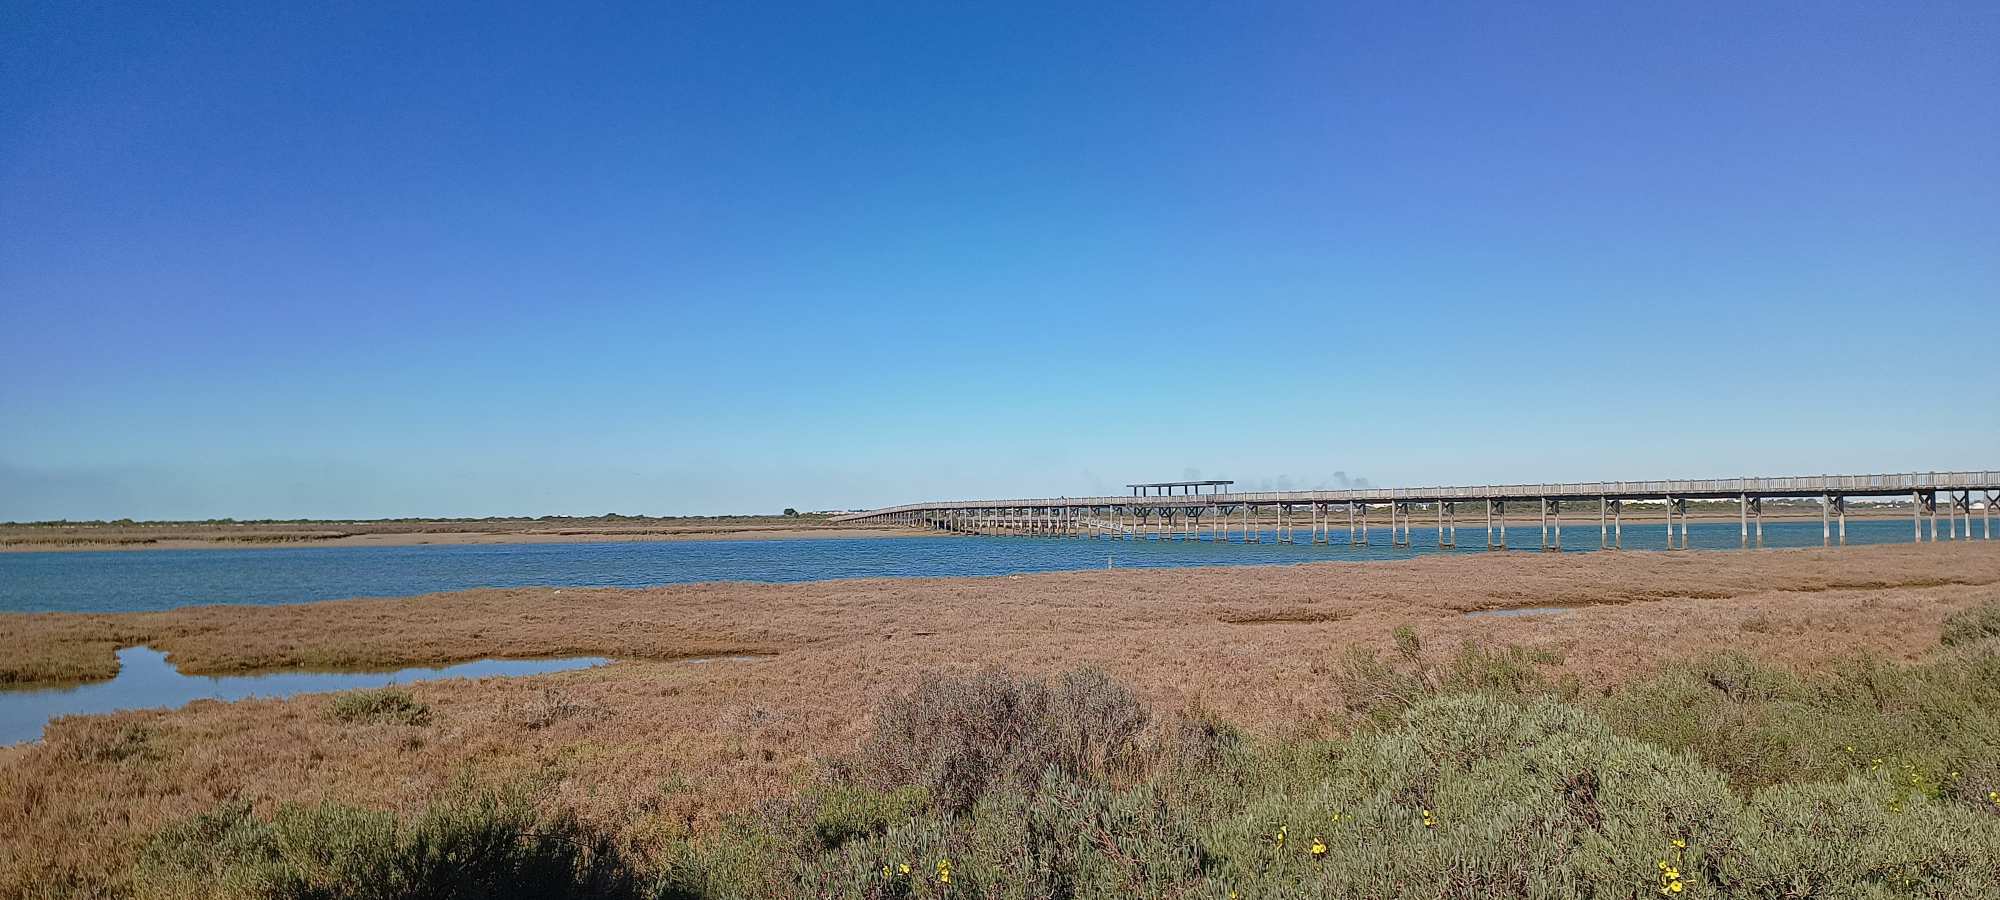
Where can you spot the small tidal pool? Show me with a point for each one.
(145, 680)
(1519, 611)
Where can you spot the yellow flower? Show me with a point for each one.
(1680, 844)
(903, 868)
(1673, 874)
(1661, 865)
(1675, 887)
(1319, 847)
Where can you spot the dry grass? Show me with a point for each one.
(668, 745)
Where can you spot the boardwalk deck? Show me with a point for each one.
(1091, 516)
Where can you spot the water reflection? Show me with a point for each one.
(145, 679)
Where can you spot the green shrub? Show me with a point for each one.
(1473, 796)
(381, 705)
(1866, 836)
(1763, 726)
(1380, 691)
(1063, 838)
(749, 856)
(1479, 789)
(469, 845)
(845, 812)
(1972, 625)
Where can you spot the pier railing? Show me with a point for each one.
(1813, 486)
(1244, 514)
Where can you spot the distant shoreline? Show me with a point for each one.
(413, 533)
(135, 540)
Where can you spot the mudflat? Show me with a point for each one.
(668, 743)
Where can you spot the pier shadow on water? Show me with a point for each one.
(147, 680)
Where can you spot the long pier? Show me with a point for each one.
(1155, 511)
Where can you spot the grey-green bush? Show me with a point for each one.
(470, 845)
(379, 705)
(1762, 725)
(1477, 797)
(1972, 625)
(958, 737)
(1379, 691)
(1869, 836)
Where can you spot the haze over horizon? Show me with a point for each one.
(373, 261)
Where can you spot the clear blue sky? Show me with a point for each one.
(411, 259)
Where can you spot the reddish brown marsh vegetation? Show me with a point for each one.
(666, 745)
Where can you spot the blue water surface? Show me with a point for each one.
(109, 581)
(146, 679)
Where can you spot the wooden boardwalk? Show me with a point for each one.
(1225, 513)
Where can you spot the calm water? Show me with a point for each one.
(158, 579)
(145, 679)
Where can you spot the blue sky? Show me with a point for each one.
(377, 260)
